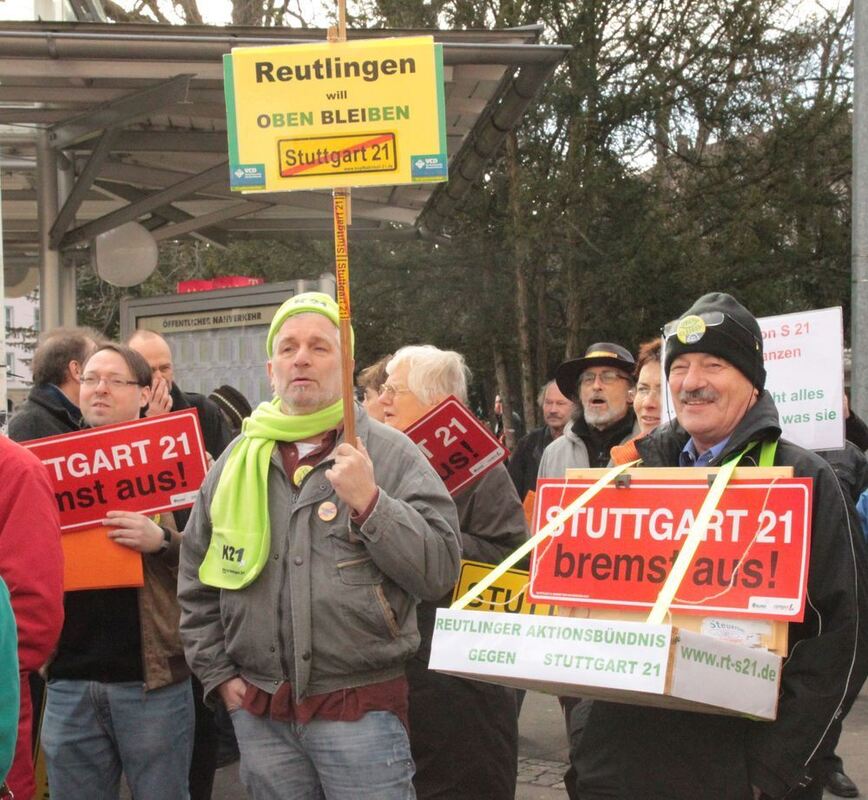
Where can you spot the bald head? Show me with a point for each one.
(156, 351)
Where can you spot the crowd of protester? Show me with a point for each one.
(309, 657)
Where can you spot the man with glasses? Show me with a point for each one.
(601, 384)
(119, 699)
(714, 366)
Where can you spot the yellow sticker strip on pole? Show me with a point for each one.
(691, 544)
(542, 534)
(342, 277)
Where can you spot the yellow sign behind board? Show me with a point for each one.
(334, 115)
(508, 593)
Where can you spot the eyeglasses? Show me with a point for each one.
(92, 381)
(390, 390)
(606, 377)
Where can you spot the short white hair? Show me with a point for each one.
(432, 374)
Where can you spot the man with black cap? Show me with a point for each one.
(601, 385)
(714, 365)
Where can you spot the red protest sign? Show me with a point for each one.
(617, 550)
(149, 465)
(458, 446)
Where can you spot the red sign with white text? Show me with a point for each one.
(617, 550)
(458, 446)
(149, 465)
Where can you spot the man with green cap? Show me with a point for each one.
(300, 571)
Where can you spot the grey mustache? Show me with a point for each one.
(698, 394)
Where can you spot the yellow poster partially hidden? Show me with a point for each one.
(508, 593)
(336, 114)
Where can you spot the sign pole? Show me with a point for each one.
(342, 221)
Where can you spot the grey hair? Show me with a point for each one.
(432, 374)
(541, 397)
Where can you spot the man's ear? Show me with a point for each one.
(74, 368)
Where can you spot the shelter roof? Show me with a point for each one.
(137, 118)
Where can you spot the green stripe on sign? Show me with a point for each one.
(441, 97)
(229, 94)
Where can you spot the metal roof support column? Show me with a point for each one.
(68, 272)
(49, 260)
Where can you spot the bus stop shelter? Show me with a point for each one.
(104, 124)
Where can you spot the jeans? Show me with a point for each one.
(368, 759)
(92, 731)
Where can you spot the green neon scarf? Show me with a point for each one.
(240, 527)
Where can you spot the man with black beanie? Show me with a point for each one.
(714, 364)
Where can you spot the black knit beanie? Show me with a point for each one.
(232, 403)
(718, 324)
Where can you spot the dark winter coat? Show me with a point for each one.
(524, 461)
(43, 413)
(464, 734)
(675, 755)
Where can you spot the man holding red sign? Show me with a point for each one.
(714, 364)
(119, 695)
(301, 568)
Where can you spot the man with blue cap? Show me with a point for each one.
(301, 567)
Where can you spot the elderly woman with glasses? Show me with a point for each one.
(463, 734)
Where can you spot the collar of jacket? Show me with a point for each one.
(617, 432)
(179, 400)
(52, 398)
(662, 446)
(315, 486)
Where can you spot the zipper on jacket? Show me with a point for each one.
(281, 638)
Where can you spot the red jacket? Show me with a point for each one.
(31, 563)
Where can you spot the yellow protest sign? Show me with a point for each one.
(335, 114)
(508, 593)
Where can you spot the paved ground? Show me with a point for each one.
(543, 752)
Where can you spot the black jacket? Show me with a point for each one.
(215, 430)
(850, 466)
(524, 461)
(675, 755)
(43, 414)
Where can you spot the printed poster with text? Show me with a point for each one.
(804, 361)
(335, 115)
(150, 465)
(803, 354)
(618, 550)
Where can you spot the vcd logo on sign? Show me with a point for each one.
(247, 176)
(425, 168)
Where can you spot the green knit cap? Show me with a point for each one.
(305, 303)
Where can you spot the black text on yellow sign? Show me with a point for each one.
(337, 155)
(507, 594)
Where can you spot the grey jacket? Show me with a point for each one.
(335, 607)
(570, 452)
